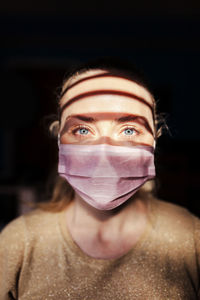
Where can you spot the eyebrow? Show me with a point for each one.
(82, 118)
(140, 119)
(127, 118)
(104, 92)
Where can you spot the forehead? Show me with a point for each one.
(100, 90)
(105, 80)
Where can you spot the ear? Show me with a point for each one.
(54, 128)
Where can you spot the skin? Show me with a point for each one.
(115, 120)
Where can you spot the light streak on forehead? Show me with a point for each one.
(98, 75)
(104, 92)
(106, 74)
(104, 83)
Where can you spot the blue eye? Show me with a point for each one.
(129, 131)
(83, 131)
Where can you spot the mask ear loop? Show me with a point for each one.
(59, 118)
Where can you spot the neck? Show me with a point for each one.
(83, 214)
(106, 234)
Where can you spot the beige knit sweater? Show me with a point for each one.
(40, 261)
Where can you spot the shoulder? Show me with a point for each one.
(172, 211)
(13, 231)
(12, 246)
(25, 225)
(177, 232)
(174, 218)
(39, 219)
(26, 233)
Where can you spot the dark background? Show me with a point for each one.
(40, 40)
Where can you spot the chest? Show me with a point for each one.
(139, 275)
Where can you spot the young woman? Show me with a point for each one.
(103, 235)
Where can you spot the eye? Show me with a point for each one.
(129, 131)
(82, 131)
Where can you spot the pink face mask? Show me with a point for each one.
(106, 176)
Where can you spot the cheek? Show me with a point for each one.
(144, 139)
(149, 140)
(64, 139)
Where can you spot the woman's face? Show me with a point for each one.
(106, 109)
